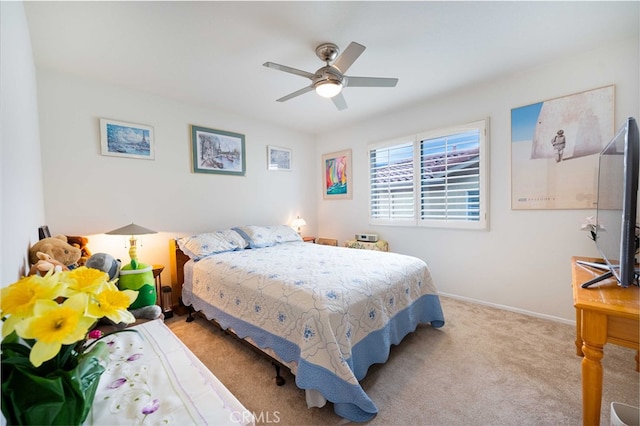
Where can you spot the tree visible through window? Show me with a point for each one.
(433, 179)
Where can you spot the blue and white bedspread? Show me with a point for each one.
(333, 311)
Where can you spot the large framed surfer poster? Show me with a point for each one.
(554, 150)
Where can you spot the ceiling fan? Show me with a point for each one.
(329, 80)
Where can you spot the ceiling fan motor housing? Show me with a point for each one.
(328, 74)
(327, 52)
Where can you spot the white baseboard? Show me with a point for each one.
(509, 308)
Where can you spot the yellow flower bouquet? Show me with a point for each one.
(51, 358)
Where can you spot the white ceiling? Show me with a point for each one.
(211, 53)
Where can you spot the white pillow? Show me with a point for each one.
(234, 238)
(266, 236)
(203, 245)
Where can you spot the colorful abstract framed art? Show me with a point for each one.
(337, 175)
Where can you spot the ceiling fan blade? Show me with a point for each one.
(371, 82)
(289, 70)
(339, 101)
(296, 93)
(349, 56)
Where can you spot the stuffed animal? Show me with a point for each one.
(81, 243)
(140, 279)
(58, 249)
(106, 263)
(46, 263)
(144, 306)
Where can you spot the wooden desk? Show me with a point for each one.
(605, 313)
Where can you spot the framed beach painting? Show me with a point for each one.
(217, 151)
(278, 158)
(121, 139)
(337, 175)
(554, 150)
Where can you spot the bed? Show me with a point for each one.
(327, 313)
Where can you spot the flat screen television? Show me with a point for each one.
(617, 205)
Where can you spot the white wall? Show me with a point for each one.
(87, 193)
(523, 261)
(22, 210)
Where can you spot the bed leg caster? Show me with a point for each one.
(279, 379)
(189, 316)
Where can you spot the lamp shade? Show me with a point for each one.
(131, 229)
(298, 222)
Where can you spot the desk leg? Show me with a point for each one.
(579, 332)
(594, 335)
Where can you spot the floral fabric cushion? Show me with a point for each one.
(203, 245)
(266, 236)
(145, 383)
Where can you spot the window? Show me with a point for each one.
(437, 178)
(391, 174)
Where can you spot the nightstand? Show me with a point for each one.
(163, 294)
(309, 239)
(157, 271)
(380, 245)
(327, 241)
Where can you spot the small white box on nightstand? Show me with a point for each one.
(368, 238)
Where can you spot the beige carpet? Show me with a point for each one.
(486, 366)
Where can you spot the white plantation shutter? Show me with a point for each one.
(392, 182)
(450, 177)
(436, 179)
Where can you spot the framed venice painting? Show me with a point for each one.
(217, 151)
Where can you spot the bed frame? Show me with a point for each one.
(177, 260)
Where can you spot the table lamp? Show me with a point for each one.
(298, 223)
(132, 230)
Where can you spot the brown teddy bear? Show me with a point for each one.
(81, 243)
(58, 249)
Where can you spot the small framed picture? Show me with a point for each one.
(337, 175)
(217, 151)
(278, 158)
(120, 139)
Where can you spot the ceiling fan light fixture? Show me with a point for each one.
(329, 80)
(328, 89)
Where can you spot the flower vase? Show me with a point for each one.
(42, 396)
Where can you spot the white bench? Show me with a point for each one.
(153, 377)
